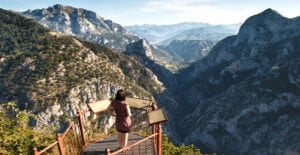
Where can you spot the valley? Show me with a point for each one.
(229, 89)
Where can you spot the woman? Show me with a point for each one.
(123, 121)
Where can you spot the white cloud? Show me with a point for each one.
(174, 5)
(209, 11)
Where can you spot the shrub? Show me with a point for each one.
(16, 136)
(170, 149)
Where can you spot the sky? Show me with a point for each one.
(132, 12)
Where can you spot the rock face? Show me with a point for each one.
(166, 59)
(243, 97)
(50, 74)
(190, 50)
(84, 24)
(152, 58)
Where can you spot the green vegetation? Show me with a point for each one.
(16, 136)
(39, 68)
(171, 149)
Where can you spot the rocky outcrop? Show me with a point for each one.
(152, 57)
(163, 58)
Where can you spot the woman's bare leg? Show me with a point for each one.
(125, 139)
(120, 139)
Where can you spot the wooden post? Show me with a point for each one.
(35, 151)
(60, 144)
(81, 127)
(159, 140)
(107, 152)
(154, 129)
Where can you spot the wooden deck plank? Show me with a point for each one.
(98, 148)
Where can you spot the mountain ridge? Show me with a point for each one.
(83, 23)
(89, 26)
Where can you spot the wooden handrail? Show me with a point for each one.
(48, 147)
(67, 130)
(134, 144)
(60, 144)
(35, 151)
(60, 137)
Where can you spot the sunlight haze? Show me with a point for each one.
(131, 12)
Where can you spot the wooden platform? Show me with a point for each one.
(98, 148)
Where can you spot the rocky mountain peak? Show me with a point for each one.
(267, 18)
(149, 52)
(268, 25)
(58, 7)
(270, 12)
(84, 24)
(140, 47)
(71, 14)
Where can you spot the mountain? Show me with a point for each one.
(157, 33)
(190, 50)
(243, 97)
(212, 33)
(151, 56)
(50, 74)
(189, 41)
(166, 59)
(84, 24)
(87, 25)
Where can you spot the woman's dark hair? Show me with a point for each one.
(120, 96)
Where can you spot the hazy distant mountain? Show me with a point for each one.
(84, 24)
(243, 97)
(157, 33)
(160, 33)
(190, 50)
(212, 33)
(190, 41)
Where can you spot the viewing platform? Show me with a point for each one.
(93, 132)
(99, 148)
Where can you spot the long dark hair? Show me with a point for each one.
(120, 96)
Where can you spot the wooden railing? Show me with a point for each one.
(131, 148)
(89, 128)
(141, 147)
(67, 143)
